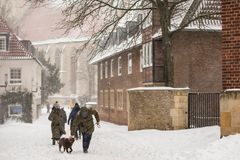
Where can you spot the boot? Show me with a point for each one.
(53, 142)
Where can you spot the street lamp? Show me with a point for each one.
(6, 82)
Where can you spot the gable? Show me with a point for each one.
(15, 48)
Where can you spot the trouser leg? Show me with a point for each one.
(86, 141)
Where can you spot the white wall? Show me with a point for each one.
(31, 74)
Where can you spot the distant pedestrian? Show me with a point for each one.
(48, 107)
(72, 116)
(54, 117)
(85, 120)
(63, 120)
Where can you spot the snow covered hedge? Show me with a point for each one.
(17, 105)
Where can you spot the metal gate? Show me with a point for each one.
(203, 109)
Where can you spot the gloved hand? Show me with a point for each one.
(98, 125)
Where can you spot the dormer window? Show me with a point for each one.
(3, 43)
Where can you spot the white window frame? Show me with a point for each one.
(118, 100)
(150, 53)
(112, 61)
(101, 71)
(4, 45)
(106, 69)
(101, 98)
(119, 66)
(130, 64)
(14, 105)
(147, 55)
(106, 98)
(18, 80)
(112, 99)
(141, 60)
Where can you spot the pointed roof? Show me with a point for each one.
(16, 50)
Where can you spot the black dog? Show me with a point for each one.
(66, 143)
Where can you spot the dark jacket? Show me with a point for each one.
(73, 114)
(84, 119)
(54, 117)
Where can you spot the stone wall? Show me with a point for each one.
(230, 111)
(157, 108)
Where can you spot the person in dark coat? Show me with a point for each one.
(72, 116)
(84, 118)
(48, 107)
(63, 120)
(54, 117)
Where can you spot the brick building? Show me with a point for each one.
(230, 98)
(123, 65)
(231, 43)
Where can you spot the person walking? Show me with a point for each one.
(72, 116)
(48, 107)
(54, 117)
(63, 120)
(84, 118)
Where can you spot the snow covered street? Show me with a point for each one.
(19, 141)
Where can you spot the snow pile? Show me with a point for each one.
(21, 141)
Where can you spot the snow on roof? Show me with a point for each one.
(16, 48)
(91, 103)
(233, 90)
(113, 50)
(157, 89)
(61, 40)
(205, 7)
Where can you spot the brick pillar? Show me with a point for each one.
(231, 44)
(230, 99)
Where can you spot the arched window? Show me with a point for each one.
(58, 58)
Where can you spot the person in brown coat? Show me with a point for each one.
(63, 120)
(84, 119)
(54, 117)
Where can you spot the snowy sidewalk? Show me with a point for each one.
(19, 141)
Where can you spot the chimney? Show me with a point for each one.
(121, 34)
(27, 44)
(132, 28)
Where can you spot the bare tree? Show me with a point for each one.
(103, 17)
(13, 12)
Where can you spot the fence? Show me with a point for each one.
(203, 109)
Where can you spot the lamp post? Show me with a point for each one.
(6, 82)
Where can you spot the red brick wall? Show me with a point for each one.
(197, 61)
(231, 44)
(123, 82)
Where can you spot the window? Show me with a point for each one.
(119, 66)
(147, 54)
(130, 63)
(150, 53)
(101, 98)
(3, 43)
(15, 76)
(141, 60)
(112, 60)
(58, 59)
(106, 98)
(120, 99)
(106, 69)
(15, 110)
(128, 101)
(112, 99)
(101, 71)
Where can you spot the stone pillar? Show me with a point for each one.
(230, 112)
(162, 108)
